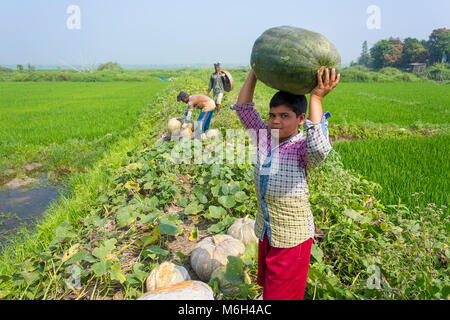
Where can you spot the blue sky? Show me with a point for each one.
(196, 31)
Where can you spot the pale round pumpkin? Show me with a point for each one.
(243, 229)
(212, 133)
(173, 124)
(178, 134)
(212, 252)
(166, 274)
(187, 290)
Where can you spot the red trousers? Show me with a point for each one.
(282, 272)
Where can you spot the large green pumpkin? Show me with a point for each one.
(287, 58)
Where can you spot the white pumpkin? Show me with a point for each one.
(212, 133)
(212, 252)
(166, 274)
(173, 125)
(187, 290)
(243, 229)
(181, 133)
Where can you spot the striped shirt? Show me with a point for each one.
(280, 178)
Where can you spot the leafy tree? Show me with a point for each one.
(20, 67)
(378, 51)
(439, 44)
(413, 51)
(112, 66)
(393, 57)
(365, 59)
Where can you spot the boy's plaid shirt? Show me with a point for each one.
(280, 179)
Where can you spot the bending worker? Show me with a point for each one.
(199, 101)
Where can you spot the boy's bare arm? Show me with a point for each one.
(317, 145)
(248, 89)
(323, 88)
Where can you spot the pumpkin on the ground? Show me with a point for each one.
(287, 58)
(181, 133)
(187, 290)
(212, 133)
(166, 274)
(212, 252)
(243, 229)
(173, 125)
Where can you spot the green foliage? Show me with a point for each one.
(378, 52)
(110, 66)
(437, 72)
(365, 59)
(359, 232)
(439, 44)
(5, 70)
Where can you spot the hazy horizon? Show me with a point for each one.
(195, 33)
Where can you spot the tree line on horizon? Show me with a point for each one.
(400, 54)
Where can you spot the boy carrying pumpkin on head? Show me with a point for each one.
(284, 221)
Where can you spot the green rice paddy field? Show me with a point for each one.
(66, 125)
(403, 167)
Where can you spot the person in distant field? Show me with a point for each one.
(284, 221)
(199, 101)
(216, 83)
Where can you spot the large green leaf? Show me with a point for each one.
(233, 188)
(240, 196)
(104, 249)
(316, 253)
(157, 250)
(234, 269)
(193, 208)
(216, 212)
(124, 216)
(101, 268)
(227, 201)
(250, 254)
(168, 228)
(215, 191)
(116, 273)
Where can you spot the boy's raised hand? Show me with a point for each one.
(329, 83)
